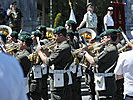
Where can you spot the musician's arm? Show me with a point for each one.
(42, 55)
(89, 58)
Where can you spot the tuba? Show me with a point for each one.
(5, 29)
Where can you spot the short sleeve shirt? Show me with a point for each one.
(91, 20)
(108, 20)
(125, 67)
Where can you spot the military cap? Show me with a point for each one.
(70, 22)
(25, 33)
(14, 33)
(37, 33)
(110, 8)
(70, 32)
(59, 30)
(26, 38)
(89, 5)
(41, 27)
(110, 32)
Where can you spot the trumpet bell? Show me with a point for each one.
(88, 33)
(5, 29)
(49, 33)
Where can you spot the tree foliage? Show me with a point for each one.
(58, 20)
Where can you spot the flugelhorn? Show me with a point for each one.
(48, 46)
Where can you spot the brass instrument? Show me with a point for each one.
(34, 57)
(48, 46)
(93, 48)
(89, 34)
(5, 29)
(124, 48)
(49, 33)
(12, 48)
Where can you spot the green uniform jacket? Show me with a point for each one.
(25, 63)
(106, 58)
(61, 57)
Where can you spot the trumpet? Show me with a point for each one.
(91, 48)
(34, 57)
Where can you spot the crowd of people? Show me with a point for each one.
(28, 59)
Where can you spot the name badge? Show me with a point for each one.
(99, 82)
(37, 71)
(58, 79)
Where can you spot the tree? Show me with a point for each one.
(58, 20)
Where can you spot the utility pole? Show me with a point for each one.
(51, 19)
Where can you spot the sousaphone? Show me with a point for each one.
(89, 34)
(5, 29)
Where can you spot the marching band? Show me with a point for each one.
(64, 55)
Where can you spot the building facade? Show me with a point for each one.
(129, 17)
(33, 11)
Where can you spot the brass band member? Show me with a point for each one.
(59, 62)
(42, 29)
(24, 42)
(109, 53)
(38, 85)
(13, 37)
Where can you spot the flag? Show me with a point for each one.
(72, 16)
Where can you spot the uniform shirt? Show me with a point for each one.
(108, 20)
(61, 57)
(106, 58)
(25, 63)
(11, 79)
(90, 20)
(125, 67)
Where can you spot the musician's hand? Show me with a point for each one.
(38, 49)
(77, 28)
(130, 45)
(85, 48)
